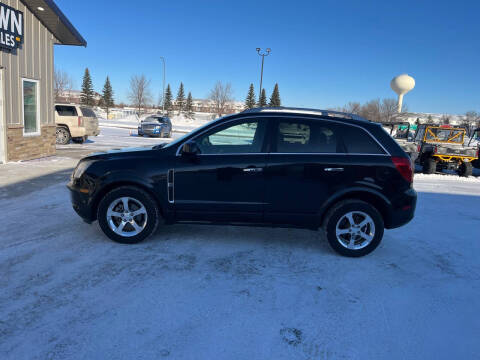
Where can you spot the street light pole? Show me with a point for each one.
(163, 94)
(261, 72)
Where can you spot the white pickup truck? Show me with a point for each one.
(75, 122)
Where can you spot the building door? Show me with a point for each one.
(3, 137)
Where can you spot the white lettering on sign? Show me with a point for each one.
(11, 27)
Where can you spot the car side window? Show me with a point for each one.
(358, 141)
(66, 110)
(303, 136)
(87, 112)
(243, 137)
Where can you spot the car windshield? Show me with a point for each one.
(161, 120)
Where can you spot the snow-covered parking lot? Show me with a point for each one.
(205, 292)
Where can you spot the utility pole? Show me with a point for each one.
(163, 94)
(262, 54)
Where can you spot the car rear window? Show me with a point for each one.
(358, 141)
(87, 112)
(305, 137)
(64, 110)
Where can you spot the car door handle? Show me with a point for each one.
(333, 169)
(252, 170)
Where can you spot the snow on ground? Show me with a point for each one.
(448, 184)
(206, 292)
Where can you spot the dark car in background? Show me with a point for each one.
(282, 167)
(155, 125)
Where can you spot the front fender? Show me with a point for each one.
(153, 185)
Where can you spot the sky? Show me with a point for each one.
(324, 53)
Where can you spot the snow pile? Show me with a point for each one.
(446, 177)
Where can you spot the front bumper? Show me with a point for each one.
(81, 203)
(154, 132)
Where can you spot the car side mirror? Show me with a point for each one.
(190, 148)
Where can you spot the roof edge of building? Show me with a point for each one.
(73, 32)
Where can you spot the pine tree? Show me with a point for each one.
(168, 100)
(87, 95)
(180, 99)
(189, 107)
(250, 100)
(107, 96)
(275, 98)
(263, 99)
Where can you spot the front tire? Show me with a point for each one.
(354, 228)
(128, 215)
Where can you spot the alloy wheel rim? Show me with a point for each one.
(355, 230)
(127, 216)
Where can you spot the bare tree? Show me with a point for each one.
(140, 94)
(472, 118)
(62, 85)
(371, 110)
(388, 110)
(221, 95)
(445, 119)
(353, 108)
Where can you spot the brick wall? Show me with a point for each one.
(21, 147)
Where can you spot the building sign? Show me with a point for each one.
(11, 27)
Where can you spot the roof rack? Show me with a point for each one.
(294, 110)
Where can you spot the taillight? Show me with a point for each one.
(80, 121)
(404, 167)
(419, 148)
(435, 149)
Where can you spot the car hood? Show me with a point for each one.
(152, 123)
(119, 153)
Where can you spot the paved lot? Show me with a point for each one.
(205, 292)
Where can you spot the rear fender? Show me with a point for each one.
(372, 196)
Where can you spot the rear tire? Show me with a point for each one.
(429, 166)
(465, 169)
(62, 135)
(116, 215)
(79, 140)
(358, 238)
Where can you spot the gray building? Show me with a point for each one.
(28, 31)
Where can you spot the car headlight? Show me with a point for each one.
(80, 169)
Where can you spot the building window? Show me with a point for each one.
(31, 108)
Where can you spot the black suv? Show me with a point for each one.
(268, 166)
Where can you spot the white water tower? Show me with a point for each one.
(402, 84)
